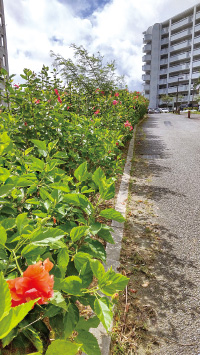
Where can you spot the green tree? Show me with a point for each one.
(88, 72)
(166, 99)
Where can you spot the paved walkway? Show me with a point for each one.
(172, 147)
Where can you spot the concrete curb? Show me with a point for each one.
(113, 250)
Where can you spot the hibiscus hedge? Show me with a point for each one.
(60, 151)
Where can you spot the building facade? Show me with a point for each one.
(172, 60)
(3, 42)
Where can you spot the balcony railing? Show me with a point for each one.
(181, 23)
(196, 64)
(164, 41)
(181, 88)
(147, 38)
(147, 48)
(146, 58)
(165, 30)
(179, 67)
(179, 57)
(181, 34)
(182, 45)
(146, 67)
(146, 77)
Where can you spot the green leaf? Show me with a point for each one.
(8, 223)
(105, 234)
(84, 324)
(60, 186)
(41, 145)
(70, 320)
(103, 312)
(5, 304)
(9, 337)
(6, 189)
(46, 236)
(97, 269)
(98, 176)
(3, 235)
(45, 195)
(72, 285)
(112, 282)
(15, 316)
(94, 248)
(79, 200)
(52, 145)
(111, 213)
(81, 173)
(80, 259)
(58, 300)
(63, 260)
(108, 192)
(37, 164)
(90, 345)
(4, 174)
(27, 151)
(21, 221)
(63, 347)
(78, 232)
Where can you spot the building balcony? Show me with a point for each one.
(195, 75)
(162, 91)
(146, 77)
(146, 87)
(197, 28)
(163, 71)
(164, 41)
(146, 58)
(196, 64)
(146, 67)
(182, 45)
(163, 82)
(197, 40)
(196, 52)
(164, 30)
(180, 67)
(164, 51)
(179, 57)
(181, 88)
(174, 79)
(147, 38)
(182, 23)
(147, 48)
(181, 34)
(197, 15)
(164, 61)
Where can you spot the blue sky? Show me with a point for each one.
(113, 27)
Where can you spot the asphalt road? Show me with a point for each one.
(172, 147)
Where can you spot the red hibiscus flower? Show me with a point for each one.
(131, 128)
(102, 92)
(16, 86)
(35, 283)
(96, 112)
(59, 99)
(56, 91)
(116, 94)
(127, 124)
(115, 102)
(117, 143)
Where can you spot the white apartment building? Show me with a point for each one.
(172, 59)
(3, 42)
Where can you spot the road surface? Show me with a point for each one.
(172, 146)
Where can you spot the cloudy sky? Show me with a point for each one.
(113, 27)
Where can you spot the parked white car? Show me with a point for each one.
(165, 109)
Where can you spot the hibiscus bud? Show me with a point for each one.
(117, 143)
(25, 124)
(56, 91)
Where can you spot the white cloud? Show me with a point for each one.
(115, 29)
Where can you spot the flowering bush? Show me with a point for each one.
(57, 162)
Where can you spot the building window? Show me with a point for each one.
(2, 41)
(1, 22)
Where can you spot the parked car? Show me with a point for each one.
(165, 109)
(151, 110)
(158, 110)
